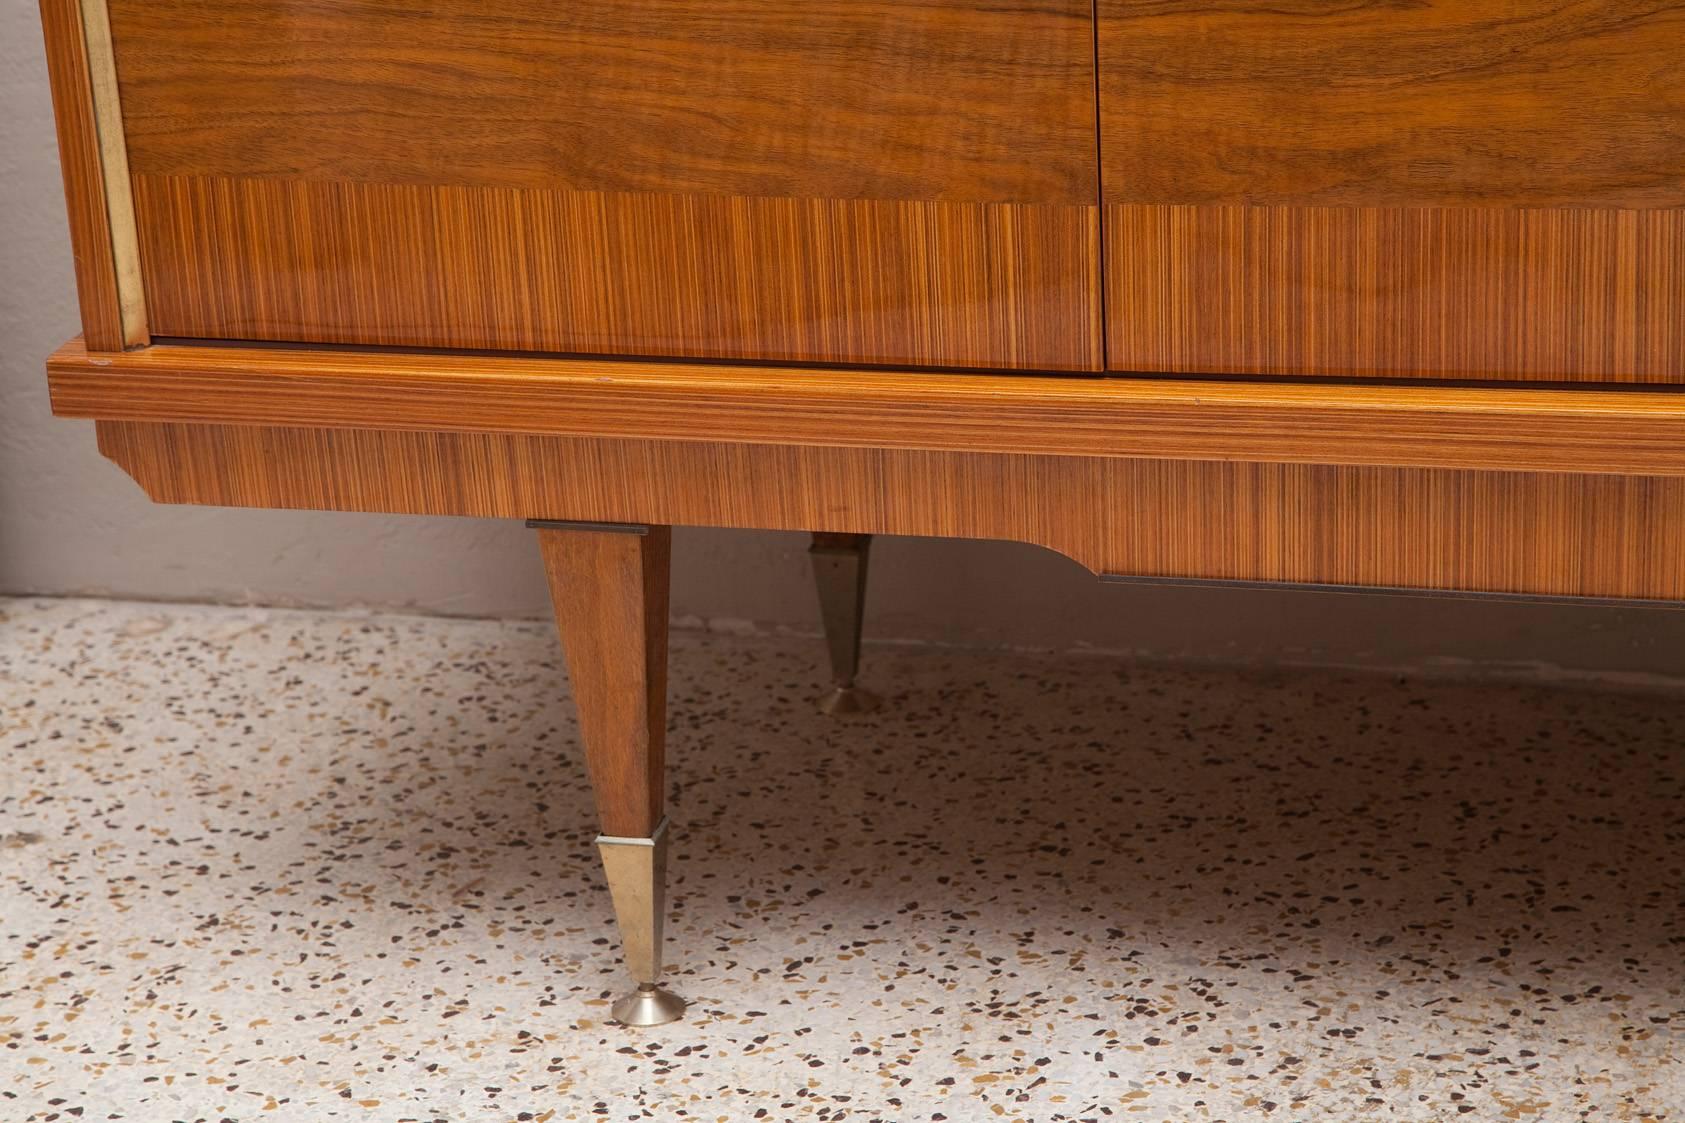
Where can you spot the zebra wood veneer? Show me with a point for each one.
(879, 181)
(1358, 295)
(1472, 189)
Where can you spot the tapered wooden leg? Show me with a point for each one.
(839, 572)
(609, 588)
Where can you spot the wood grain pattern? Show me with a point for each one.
(610, 592)
(1554, 534)
(1595, 295)
(870, 99)
(96, 183)
(872, 182)
(1444, 189)
(1587, 431)
(863, 281)
(1435, 103)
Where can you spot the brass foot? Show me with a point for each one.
(636, 869)
(649, 1005)
(849, 700)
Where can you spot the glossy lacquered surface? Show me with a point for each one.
(815, 280)
(1453, 188)
(775, 179)
(1485, 191)
(1479, 292)
(1587, 431)
(872, 99)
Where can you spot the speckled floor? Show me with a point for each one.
(276, 865)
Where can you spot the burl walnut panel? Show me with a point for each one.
(1452, 188)
(870, 99)
(876, 181)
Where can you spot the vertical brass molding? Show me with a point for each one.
(114, 166)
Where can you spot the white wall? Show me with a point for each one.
(71, 523)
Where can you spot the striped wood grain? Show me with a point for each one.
(1620, 431)
(881, 181)
(1487, 293)
(862, 281)
(1484, 189)
(1555, 534)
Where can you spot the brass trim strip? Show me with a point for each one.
(114, 164)
(654, 838)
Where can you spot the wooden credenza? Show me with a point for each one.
(1357, 295)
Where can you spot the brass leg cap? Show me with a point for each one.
(849, 700)
(649, 1005)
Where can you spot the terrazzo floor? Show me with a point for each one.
(294, 866)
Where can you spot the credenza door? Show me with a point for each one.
(1461, 189)
(865, 181)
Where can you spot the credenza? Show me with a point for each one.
(1360, 295)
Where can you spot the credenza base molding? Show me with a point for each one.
(1532, 533)
(1611, 431)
